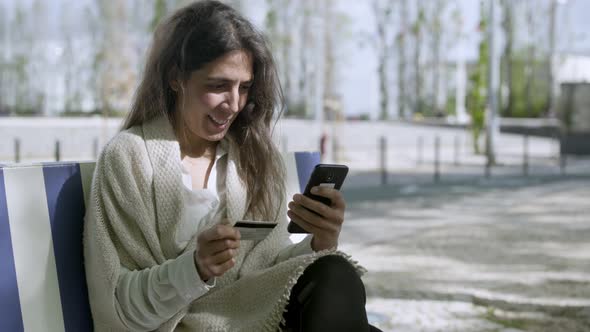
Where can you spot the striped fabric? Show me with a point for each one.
(42, 281)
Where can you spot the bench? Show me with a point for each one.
(42, 281)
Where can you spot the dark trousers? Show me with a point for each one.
(329, 296)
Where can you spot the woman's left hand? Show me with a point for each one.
(326, 224)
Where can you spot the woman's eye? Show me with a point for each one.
(245, 87)
(216, 86)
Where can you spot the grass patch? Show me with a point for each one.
(516, 323)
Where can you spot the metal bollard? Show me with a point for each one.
(457, 147)
(383, 157)
(557, 146)
(95, 148)
(323, 139)
(525, 155)
(17, 150)
(335, 150)
(562, 156)
(436, 159)
(57, 151)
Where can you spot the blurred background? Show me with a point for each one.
(486, 67)
(465, 124)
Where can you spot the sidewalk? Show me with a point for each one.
(505, 254)
(449, 173)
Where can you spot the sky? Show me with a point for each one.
(357, 81)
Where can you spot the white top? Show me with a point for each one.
(150, 297)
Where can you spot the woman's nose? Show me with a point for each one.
(233, 99)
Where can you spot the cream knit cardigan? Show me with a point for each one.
(133, 213)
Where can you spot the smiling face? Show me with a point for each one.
(211, 99)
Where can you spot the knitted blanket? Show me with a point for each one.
(133, 213)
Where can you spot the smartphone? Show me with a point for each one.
(326, 175)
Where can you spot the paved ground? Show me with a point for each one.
(506, 254)
(355, 143)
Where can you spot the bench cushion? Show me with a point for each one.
(42, 284)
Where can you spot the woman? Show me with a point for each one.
(195, 156)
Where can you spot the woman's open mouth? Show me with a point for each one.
(220, 123)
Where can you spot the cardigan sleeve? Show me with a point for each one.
(118, 229)
(150, 297)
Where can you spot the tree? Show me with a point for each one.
(39, 21)
(417, 27)
(305, 45)
(551, 57)
(477, 96)
(94, 22)
(507, 54)
(436, 32)
(296, 53)
(23, 104)
(530, 57)
(401, 37)
(305, 51)
(113, 73)
(336, 24)
(455, 104)
(160, 11)
(527, 59)
(278, 17)
(383, 11)
(72, 86)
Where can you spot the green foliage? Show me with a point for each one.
(383, 12)
(76, 114)
(92, 113)
(364, 117)
(159, 13)
(73, 101)
(539, 98)
(271, 20)
(26, 111)
(515, 323)
(426, 107)
(477, 94)
(27, 108)
(420, 20)
(24, 103)
(451, 105)
(296, 110)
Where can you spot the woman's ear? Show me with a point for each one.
(173, 79)
(174, 85)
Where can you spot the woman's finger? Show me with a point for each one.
(222, 257)
(334, 195)
(315, 206)
(309, 217)
(307, 226)
(218, 232)
(213, 247)
(220, 269)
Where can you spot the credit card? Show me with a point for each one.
(254, 230)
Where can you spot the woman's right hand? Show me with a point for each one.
(216, 249)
